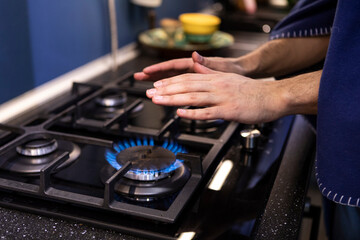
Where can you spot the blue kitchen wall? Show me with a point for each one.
(65, 34)
(16, 74)
(48, 38)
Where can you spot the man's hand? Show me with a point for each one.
(274, 58)
(234, 97)
(222, 87)
(186, 65)
(227, 96)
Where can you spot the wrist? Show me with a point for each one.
(299, 95)
(280, 101)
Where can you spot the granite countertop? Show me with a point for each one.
(22, 225)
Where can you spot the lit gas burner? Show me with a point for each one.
(155, 172)
(111, 104)
(200, 126)
(149, 163)
(32, 156)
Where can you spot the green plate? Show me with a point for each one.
(158, 39)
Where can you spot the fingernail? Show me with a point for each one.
(157, 84)
(200, 57)
(181, 111)
(151, 91)
(158, 98)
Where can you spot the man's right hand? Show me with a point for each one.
(176, 67)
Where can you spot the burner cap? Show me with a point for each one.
(27, 161)
(37, 147)
(112, 100)
(201, 126)
(108, 112)
(149, 163)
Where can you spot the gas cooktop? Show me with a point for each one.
(108, 156)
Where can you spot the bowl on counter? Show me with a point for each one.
(199, 27)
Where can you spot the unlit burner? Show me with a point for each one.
(31, 157)
(200, 126)
(37, 147)
(112, 100)
(112, 104)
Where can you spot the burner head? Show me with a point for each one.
(112, 104)
(37, 147)
(149, 163)
(112, 100)
(200, 126)
(29, 158)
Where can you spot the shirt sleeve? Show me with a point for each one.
(308, 18)
(338, 127)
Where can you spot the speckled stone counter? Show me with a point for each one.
(20, 225)
(283, 213)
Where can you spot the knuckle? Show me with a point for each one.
(169, 98)
(226, 85)
(185, 87)
(208, 114)
(193, 97)
(187, 76)
(216, 85)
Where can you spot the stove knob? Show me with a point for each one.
(250, 137)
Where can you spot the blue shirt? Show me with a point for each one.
(338, 122)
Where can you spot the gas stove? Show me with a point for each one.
(106, 155)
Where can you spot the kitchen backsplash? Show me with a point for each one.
(40, 40)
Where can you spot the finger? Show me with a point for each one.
(150, 92)
(185, 99)
(197, 57)
(183, 87)
(198, 68)
(217, 63)
(209, 62)
(141, 76)
(182, 64)
(188, 77)
(208, 113)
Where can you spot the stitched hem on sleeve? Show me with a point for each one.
(334, 196)
(312, 32)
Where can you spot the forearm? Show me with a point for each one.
(283, 56)
(299, 94)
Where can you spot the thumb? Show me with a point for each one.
(199, 68)
(207, 62)
(197, 58)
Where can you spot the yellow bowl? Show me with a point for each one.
(199, 23)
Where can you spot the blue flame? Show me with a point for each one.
(110, 155)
